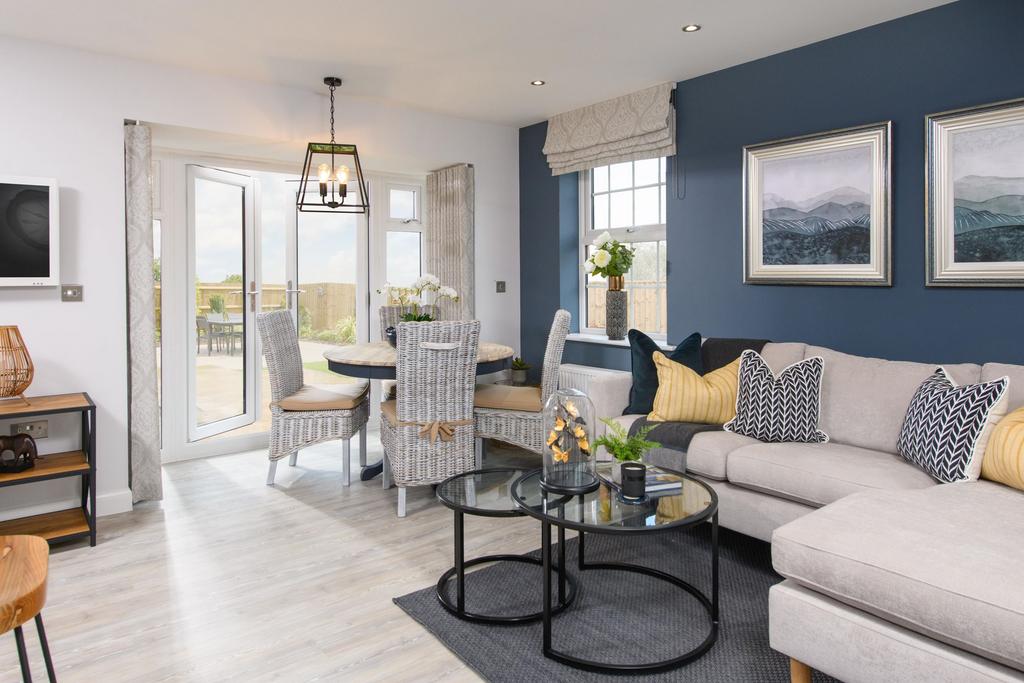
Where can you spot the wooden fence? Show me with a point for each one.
(647, 304)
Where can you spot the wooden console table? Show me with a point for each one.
(75, 522)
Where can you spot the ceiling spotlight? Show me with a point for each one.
(691, 28)
(537, 82)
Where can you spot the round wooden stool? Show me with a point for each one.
(23, 565)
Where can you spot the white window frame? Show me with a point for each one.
(638, 233)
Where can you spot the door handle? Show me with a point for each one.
(291, 290)
(252, 296)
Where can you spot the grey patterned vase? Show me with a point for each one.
(616, 308)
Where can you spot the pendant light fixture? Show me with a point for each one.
(326, 185)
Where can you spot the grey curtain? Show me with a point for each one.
(641, 125)
(143, 405)
(450, 226)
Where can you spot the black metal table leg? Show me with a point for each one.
(545, 552)
(46, 649)
(371, 471)
(714, 568)
(561, 564)
(460, 563)
(579, 550)
(19, 638)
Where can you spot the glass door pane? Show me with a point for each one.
(331, 301)
(221, 235)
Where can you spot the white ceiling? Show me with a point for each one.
(469, 58)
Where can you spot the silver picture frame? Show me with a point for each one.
(817, 209)
(974, 196)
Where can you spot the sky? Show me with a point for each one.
(990, 151)
(804, 177)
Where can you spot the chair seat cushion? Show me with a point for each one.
(944, 562)
(326, 397)
(818, 474)
(503, 397)
(389, 411)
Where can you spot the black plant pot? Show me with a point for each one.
(391, 334)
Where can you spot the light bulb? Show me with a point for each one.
(323, 172)
(343, 175)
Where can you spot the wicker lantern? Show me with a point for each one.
(16, 369)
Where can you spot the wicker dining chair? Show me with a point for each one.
(301, 414)
(516, 414)
(427, 433)
(390, 316)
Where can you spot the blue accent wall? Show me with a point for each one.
(962, 54)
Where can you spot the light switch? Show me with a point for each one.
(71, 292)
(499, 286)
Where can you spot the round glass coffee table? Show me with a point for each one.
(487, 493)
(604, 512)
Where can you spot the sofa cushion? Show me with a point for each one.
(1004, 457)
(779, 407)
(326, 397)
(709, 451)
(685, 396)
(944, 562)
(1015, 392)
(947, 427)
(504, 397)
(716, 353)
(863, 400)
(645, 375)
(780, 355)
(818, 474)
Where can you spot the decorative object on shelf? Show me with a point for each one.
(623, 447)
(568, 454)
(23, 453)
(612, 259)
(818, 209)
(391, 334)
(519, 369)
(975, 196)
(329, 166)
(16, 368)
(634, 478)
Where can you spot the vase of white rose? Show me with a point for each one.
(426, 290)
(612, 259)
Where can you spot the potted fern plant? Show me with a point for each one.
(623, 447)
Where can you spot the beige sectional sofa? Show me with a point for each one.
(888, 574)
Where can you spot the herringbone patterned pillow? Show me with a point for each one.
(947, 426)
(782, 408)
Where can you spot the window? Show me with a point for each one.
(628, 201)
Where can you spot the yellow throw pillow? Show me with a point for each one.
(1004, 456)
(685, 396)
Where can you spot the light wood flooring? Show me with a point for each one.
(231, 580)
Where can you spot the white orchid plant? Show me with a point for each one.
(611, 258)
(425, 290)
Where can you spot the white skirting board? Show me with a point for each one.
(106, 504)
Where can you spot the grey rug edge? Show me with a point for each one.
(437, 637)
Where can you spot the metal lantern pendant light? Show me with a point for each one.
(326, 174)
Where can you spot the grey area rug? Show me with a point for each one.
(620, 616)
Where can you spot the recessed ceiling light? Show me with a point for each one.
(537, 82)
(691, 28)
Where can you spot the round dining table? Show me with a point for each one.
(378, 360)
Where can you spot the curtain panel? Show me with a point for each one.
(641, 125)
(143, 406)
(450, 227)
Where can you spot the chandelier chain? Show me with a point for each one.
(332, 114)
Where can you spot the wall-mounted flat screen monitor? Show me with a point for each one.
(29, 232)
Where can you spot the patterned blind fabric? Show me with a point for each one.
(641, 125)
(450, 239)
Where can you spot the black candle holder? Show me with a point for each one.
(634, 480)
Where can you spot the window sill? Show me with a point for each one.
(605, 341)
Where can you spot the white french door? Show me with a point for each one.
(223, 366)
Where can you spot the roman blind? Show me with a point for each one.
(641, 125)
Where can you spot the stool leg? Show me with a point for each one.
(19, 638)
(46, 649)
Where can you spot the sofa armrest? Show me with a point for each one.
(607, 389)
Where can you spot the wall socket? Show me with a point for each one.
(40, 429)
(499, 286)
(71, 292)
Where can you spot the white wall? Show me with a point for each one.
(62, 117)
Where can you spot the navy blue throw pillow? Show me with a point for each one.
(645, 375)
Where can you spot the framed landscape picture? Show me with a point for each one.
(975, 196)
(817, 209)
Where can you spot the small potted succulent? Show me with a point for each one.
(623, 447)
(519, 369)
